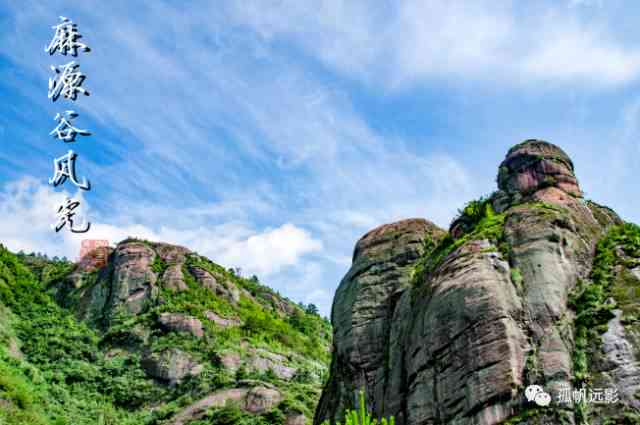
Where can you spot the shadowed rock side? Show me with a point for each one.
(363, 307)
(486, 311)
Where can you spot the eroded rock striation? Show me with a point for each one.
(450, 327)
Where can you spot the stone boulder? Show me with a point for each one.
(230, 361)
(223, 289)
(173, 278)
(258, 360)
(221, 321)
(262, 399)
(256, 400)
(295, 419)
(175, 322)
(174, 257)
(279, 304)
(217, 399)
(170, 366)
(171, 254)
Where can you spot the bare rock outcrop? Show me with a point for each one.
(171, 366)
(258, 360)
(363, 306)
(222, 321)
(224, 289)
(134, 281)
(534, 165)
(175, 322)
(443, 329)
(256, 400)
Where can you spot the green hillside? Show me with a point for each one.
(72, 352)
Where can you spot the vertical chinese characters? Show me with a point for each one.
(67, 83)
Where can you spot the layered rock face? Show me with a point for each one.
(443, 328)
(364, 305)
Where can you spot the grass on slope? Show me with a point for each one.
(589, 300)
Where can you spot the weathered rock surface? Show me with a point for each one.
(217, 399)
(221, 321)
(258, 360)
(278, 303)
(489, 319)
(174, 257)
(295, 419)
(133, 282)
(363, 306)
(254, 400)
(534, 165)
(224, 289)
(175, 322)
(262, 399)
(173, 278)
(170, 366)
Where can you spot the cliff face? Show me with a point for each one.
(533, 285)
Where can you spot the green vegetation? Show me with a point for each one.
(60, 377)
(362, 417)
(516, 277)
(159, 266)
(480, 222)
(523, 417)
(55, 370)
(589, 300)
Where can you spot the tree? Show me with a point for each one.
(312, 309)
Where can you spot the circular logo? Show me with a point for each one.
(536, 394)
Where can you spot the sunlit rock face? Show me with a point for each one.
(534, 165)
(459, 342)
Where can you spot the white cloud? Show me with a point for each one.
(572, 53)
(28, 207)
(270, 251)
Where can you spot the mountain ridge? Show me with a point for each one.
(156, 334)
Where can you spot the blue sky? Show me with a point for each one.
(270, 135)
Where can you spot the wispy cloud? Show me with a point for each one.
(411, 42)
(240, 129)
(28, 207)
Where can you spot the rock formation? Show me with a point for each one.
(450, 327)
